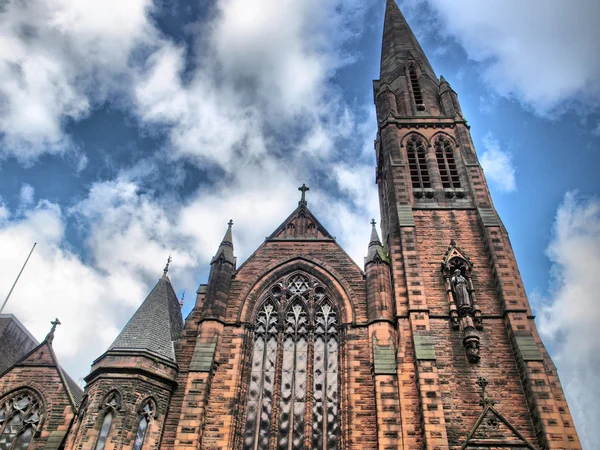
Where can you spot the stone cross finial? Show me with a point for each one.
(50, 336)
(166, 270)
(230, 223)
(303, 189)
(485, 398)
(373, 222)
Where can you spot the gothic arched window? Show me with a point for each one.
(20, 418)
(444, 153)
(146, 415)
(306, 388)
(112, 402)
(417, 163)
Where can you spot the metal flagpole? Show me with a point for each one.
(18, 276)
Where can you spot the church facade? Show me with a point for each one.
(430, 345)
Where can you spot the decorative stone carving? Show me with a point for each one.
(465, 314)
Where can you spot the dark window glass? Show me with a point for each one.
(417, 163)
(106, 423)
(444, 154)
(141, 433)
(416, 88)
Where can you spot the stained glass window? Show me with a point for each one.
(147, 414)
(20, 416)
(288, 346)
(444, 154)
(112, 403)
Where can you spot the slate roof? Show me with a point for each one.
(399, 45)
(15, 341)
(156, 324)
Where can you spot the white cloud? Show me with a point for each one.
(26, 195)
(568, 320)
(58, 59)
(497, 165)
(543, 52)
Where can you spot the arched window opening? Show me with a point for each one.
(416, 88)
(310, 327)
(20, 418)
(111, 404)
(444, 154)
(417, 163)
(147, 414)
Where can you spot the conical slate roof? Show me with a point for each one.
(156, 324)
(399, 46)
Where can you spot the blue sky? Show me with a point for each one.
(134, 130)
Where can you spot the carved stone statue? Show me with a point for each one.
(461, 291)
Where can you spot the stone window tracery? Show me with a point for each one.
(147, 412)
(111, 404)
(294, 369)
(20, 418)
(444, 153)
(417, 164)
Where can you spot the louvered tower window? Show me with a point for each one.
(20, 415)
(288, 347)
(417, 163)
(416, 88)
(444, 153)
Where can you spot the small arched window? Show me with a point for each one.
(146, 415)
(417, 163)
(20, 418)
(111, 404)
(444, 153)
(416, 88)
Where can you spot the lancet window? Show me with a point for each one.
(111, 404)
(294, 369)
(417, 163)
(444, 154)
(147, 412)
(20, 418)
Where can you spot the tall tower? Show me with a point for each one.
(472, 369)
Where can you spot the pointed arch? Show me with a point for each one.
(414, 75)
(305, 349)
(146, 414)
(111, 404)
(337, 287)
(446, 161)
(416, 154)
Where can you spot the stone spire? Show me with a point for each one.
(399, 46)
(225, 251)
(375, 247)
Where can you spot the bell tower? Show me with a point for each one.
(461, 313)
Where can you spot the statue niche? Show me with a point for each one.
(465, 314)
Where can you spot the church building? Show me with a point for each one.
(430, 344)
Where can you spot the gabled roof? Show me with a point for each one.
(43, 354)
(400, 46)
(155, 325)
(300, 225)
